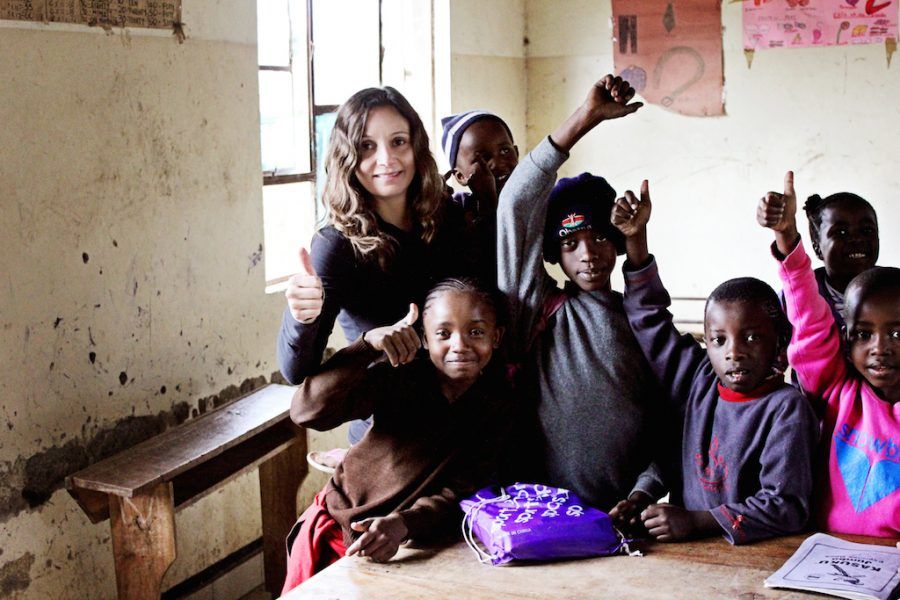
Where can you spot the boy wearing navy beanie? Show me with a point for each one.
(596, 394)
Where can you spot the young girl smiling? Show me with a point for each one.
(403, 480)
(858, 392)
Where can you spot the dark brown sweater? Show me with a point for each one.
(423, 453)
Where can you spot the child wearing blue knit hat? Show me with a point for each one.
(596, 398)
(479, 147)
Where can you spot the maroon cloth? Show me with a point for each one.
(318, 543)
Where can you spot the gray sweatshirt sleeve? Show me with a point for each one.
(673, 358)
(521, 214)
(651, 482)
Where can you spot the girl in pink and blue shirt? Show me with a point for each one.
(858, 477)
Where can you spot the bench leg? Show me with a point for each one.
(279, 479)
(143, 538)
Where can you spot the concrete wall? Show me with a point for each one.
(132, 281)
(132, 295)
(484, 61)
(831, 114)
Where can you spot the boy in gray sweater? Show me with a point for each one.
(594, 387)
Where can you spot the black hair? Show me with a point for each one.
(815, 204)
(489, 295)
(755, 291)
(877, 281)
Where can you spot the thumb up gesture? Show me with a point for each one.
(305, 293)
(778, 212)
(399, 341)
(631, 213)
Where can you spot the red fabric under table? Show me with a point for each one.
(319, 543)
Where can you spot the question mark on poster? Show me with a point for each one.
(660, 70)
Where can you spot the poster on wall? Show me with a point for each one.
(150, 14)
(671, 52)
(805, 23)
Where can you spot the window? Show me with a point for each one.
(313, 54)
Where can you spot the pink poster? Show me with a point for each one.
(805, 23)
(671, 52)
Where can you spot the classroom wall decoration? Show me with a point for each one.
(671, 53)
(152, 14)
(805, 23)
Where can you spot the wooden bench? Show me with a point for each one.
(140, 489)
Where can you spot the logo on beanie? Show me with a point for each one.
(572, 221)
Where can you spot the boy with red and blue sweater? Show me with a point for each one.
(748, 437)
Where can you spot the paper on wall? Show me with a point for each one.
(151, 14)
(671, 52)
(805, 23)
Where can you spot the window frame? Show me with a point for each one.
(274, 177)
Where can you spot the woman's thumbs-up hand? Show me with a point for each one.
(305, 293)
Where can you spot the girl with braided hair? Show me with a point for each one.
(438, 422)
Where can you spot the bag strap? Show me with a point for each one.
(468, 524)
(552, 303)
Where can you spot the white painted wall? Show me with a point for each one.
(831, 114)
(484, 55)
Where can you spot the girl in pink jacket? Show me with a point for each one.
(858, 483)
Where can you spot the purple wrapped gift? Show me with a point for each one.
(530, 521)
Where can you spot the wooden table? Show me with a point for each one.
(140, 488)
(704, 569)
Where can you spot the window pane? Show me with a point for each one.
(276, 117)
(289, 219)
(273, 29)
(347, 48)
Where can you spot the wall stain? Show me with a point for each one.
(255, 258)
(15, 575)
(29, 482)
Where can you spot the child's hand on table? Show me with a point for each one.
(671, 523)
(381, 537)
(626, 515)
